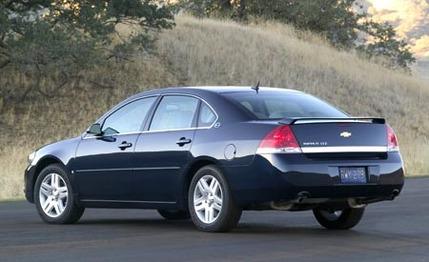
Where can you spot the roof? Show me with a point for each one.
(214, 89)
(230, 89)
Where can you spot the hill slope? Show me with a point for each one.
(209, 52)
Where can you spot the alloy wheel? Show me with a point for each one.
(208, 199)
(53, 195)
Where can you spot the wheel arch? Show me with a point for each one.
(189, 174)
(41, 164)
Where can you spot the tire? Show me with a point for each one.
(174, 214)
(214, 209)
(347, 219)
(57, 197)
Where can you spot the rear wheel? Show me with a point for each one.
(174, 214)
(211, 205)
(54, 197)
(340, 219)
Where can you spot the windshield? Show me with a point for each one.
(278, 105)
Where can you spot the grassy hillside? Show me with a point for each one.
(209, 52)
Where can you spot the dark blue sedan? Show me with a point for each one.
(207, 153)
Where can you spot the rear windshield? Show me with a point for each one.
(278, 105)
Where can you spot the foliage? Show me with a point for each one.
(207, 8)
(56, 40)
(383, 42)
(342, 22)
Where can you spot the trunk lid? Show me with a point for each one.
(340, 135)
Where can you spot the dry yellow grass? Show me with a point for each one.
(11, 178)
(210, 52)
(27, 125)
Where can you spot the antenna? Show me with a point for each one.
(256, 88)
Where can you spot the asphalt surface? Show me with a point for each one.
(389, 231)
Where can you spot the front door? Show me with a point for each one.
(104, 164)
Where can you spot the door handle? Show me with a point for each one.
(183, 141)
(125, 145)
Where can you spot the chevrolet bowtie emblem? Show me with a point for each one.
(346, 134)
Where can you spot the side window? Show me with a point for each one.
(128, 118)
(206, 117)
(174, 112)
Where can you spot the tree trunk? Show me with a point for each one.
(225, 5)
(241, 13)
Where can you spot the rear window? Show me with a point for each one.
(278, 105)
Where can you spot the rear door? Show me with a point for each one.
(103, 164)
(163, 150)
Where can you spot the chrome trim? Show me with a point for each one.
(148, 132)
(284, 150)
(158, 168)
(393, 149)
(127, 201)
(344, 149)
(324, 149)
(126, 169)
(316, 121)
(173, 130)
(85, 135)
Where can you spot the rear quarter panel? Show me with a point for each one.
(232, 144)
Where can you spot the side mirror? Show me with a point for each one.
(95, 130)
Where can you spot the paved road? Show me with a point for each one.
(390, 231)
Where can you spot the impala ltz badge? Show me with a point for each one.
(346, 134)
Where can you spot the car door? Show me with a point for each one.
(103, 164)
(163, 150)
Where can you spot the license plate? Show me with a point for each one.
(353, 175)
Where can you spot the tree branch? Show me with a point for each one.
(4, 63)
(100, 85)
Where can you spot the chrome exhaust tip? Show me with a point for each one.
(395, 193)
(354, 203)
(301, 196)
(281, 206)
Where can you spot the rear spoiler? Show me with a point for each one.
(312, 120)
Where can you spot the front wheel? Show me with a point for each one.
(340, 219)
(211, 205)
(54, 197)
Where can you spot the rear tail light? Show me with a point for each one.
(279, 140)
(392, 141)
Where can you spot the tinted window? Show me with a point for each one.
(277, 105)
(207, 117)
(174, 112)
(128, 118)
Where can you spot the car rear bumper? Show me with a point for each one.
(284, 177)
